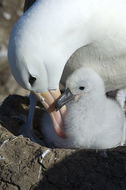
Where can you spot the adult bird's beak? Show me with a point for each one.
(48, 101)
(63, 99)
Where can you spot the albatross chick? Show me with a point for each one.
(93, 121)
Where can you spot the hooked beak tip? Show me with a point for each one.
(66, 97)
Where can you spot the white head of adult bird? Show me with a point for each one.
(50, 31)
(37, 52)
(92, 121)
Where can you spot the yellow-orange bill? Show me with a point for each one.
(48, 101)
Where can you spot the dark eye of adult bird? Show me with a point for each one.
(81, 87)
(83, 33)
(32, 80)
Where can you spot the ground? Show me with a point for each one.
(10, 10)
(25, 165)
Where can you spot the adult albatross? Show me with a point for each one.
(50, 31)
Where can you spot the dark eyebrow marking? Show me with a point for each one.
(31, 80)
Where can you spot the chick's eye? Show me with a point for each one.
(81, 87)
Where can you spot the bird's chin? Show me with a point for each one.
(48, 101)
(77, 97)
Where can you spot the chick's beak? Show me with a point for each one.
(48, 101)
(66, 97)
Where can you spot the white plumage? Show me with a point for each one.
(92, 120)
(50, 31)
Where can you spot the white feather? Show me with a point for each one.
(94, 121)
(50, 31)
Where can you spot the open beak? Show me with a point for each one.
(48, 101)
